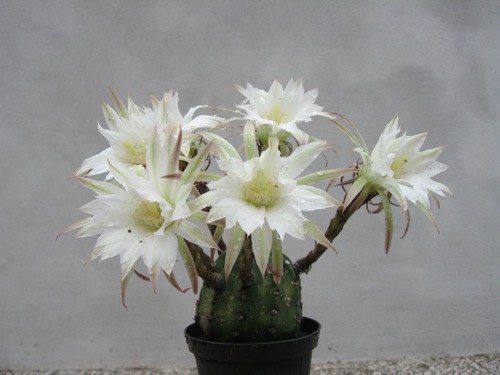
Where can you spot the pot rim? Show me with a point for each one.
(264, 351)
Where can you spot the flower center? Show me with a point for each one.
(135, 152)
(149, 214)
(277, 114)
(261, 191)
(399, 164)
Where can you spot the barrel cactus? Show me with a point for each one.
(259, 311)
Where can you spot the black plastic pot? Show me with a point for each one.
(288, 357)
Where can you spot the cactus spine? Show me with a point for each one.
(255, 311)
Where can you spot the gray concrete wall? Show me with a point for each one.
(434, 62)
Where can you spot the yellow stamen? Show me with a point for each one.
(135, 152)
(261, 191)
(149, 214)
(278, 115)
(398, 164)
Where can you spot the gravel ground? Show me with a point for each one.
(472, 365)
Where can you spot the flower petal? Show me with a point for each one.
(233, 249)
(317, 235)
(261, 246)
(301, 158)
(277, 258)
(194, 234)
(188, 263)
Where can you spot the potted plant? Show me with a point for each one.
(170, 186)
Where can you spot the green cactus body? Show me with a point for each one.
(260, 312)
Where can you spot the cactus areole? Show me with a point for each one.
(251, 308)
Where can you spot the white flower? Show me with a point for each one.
(130, 128)
(262, 198)
(278, 111)
(146, 215)
(188, 123)
(397, 165)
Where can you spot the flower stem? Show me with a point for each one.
(303, 265)
(205, 268)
